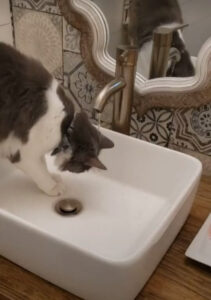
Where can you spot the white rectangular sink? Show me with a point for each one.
(131, 214)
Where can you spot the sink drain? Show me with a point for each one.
(67, 207)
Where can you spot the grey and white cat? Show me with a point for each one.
(145, 16)
(37, 117)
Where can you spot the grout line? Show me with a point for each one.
(12, 22)
(5, 24)
(35, 10)
(63, 49)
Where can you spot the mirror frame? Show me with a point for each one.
(170, 92)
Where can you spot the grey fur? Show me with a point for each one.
(69, 108)
(23, 83)
(23, 86)
(15, 158)
(86, 142)
(146, 16)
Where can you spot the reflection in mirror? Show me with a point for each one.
(113, 12)
(156, 28)
(197, 14)
(135, 21)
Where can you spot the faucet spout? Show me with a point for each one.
(121, 88)
(110, 89)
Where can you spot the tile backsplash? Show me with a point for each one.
(154, 126)
(5, 22)
(191, 129)
(49, 6)
(41, 31)
(5, 15)
(39, 35)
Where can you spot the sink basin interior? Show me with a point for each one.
(121, 207)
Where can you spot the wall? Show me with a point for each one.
(5, 23)
(197, 14)
(42, 32)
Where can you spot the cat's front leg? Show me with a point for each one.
(37, 170)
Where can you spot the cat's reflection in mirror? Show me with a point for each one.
(147, 15)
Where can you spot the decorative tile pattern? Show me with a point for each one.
(192, 129)
(72, 61)
(153, 127)
(39, 35)
(76, 106)
(84, 86)
(50, 6)
(71, 38)
(80, 83)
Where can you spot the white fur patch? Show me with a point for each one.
(63, 156)
(45, 135)
(10, 146)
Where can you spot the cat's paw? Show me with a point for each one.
(57, 190)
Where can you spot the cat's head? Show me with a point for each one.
(81, 146)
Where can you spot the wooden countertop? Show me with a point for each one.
(176, 278)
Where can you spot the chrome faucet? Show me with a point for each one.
(121, 88)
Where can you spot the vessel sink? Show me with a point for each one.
(130, 215)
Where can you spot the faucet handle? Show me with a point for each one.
(123, 56)
(166, 29)
(126, 55)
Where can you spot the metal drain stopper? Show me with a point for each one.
(68, 207)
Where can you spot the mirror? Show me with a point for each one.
(105, 20)
(121, 14)
(197, 15)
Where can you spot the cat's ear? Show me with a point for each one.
(96, 163)
(105, 142)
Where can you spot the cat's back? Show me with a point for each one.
(146, 15)
(152, 8)
(18, 68)
(23, 86)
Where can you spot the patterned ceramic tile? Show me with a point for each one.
(39, 35)
(72, 61)
(80, 83)
(192, 129)
(50, 6)
(71, 38)
(153, 127)
(76, 106)
(84, 86)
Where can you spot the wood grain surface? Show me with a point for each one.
(176, 278)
